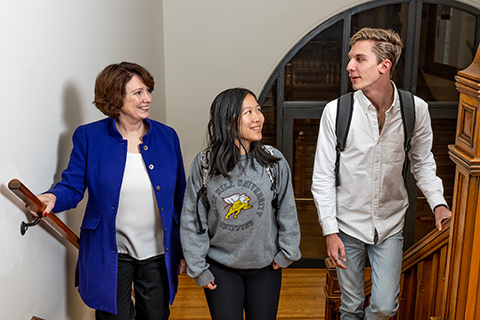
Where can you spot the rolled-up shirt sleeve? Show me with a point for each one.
(323, 178)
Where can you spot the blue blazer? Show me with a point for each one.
(97, 163)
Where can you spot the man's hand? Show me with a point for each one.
(441, 213)
(334, 247)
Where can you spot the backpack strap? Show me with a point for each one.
(205, 162)
(342, 125)
(202, 193)
(344, 118)
(407, 109)
(271, 175)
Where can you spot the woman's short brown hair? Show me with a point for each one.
(110, 86)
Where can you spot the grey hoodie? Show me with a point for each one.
(242, 232)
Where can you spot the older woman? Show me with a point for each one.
(133, 169)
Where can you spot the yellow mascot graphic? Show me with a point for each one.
(237, 203)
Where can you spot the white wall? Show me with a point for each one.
(50, 54)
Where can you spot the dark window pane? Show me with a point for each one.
(446, 46)
(313, 74)
(269, 110)
(305, 132)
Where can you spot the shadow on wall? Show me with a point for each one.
(72, 116)
(73, 105)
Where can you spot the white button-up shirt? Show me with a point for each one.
(372, 195)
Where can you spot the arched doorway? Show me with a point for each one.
(439, 40)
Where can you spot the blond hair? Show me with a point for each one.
(388, 44)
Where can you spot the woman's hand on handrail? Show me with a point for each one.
(49, 200)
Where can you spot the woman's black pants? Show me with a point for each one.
(255, 291)
(150, 283)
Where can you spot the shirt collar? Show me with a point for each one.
(365, 103)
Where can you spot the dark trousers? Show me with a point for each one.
(150, 283)
(257, 291)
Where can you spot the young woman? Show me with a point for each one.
(242, 228)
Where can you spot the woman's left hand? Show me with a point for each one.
(275, 266)
(182, 266)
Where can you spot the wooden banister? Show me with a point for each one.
(21, 191)
(426, 246)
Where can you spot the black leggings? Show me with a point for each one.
(256, 291)
(150, 283)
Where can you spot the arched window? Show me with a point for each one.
(440, 38)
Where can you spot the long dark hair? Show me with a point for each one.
(223, 131)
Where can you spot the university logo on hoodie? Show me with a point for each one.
(244, 202)
(236, 203)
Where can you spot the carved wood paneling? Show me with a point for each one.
(408, 283)
(466, 126)
(463, 257)
(472, 310)
(423, 279)
(332, 292)
(441, 296)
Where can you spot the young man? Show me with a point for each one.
(365, 213)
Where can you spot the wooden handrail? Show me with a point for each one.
(17, 187)
(427, 245)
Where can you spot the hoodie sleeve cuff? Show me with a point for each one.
(204, 278)
(282, 260)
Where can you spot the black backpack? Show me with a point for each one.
(344, 118)
(202, 193)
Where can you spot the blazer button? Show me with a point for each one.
(158, 188)
(161, 209)
(150, 166)
(145, 147)
(165, 229)
(166, 249)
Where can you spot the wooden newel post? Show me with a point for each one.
(463, 289)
